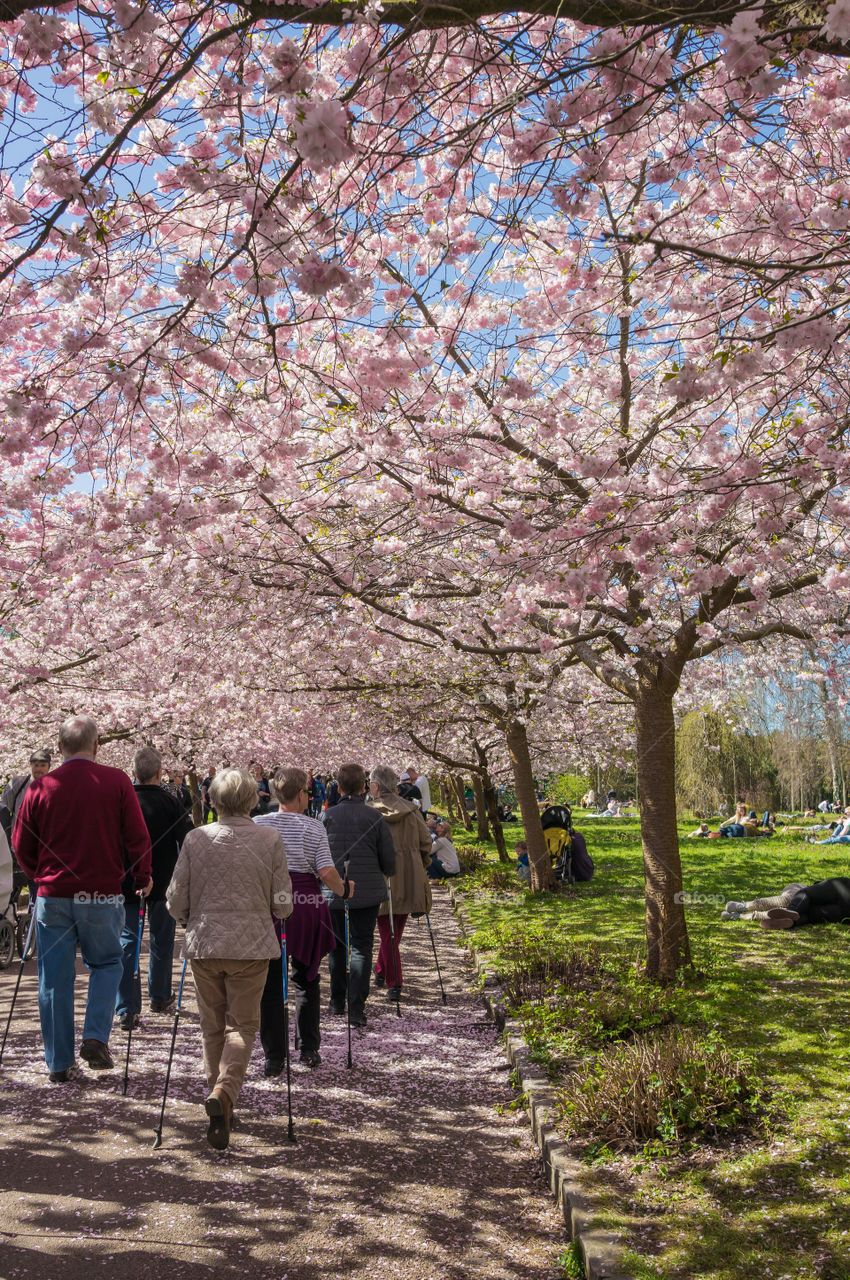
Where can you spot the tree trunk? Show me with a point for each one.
(482, 830)
(491, 800)
(449, 798)
(195, 789)
(667, 947)
(834, 745)
(538, 854)
(465, 818)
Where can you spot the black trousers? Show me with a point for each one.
(362, 921)
(307, 1010)
(826, 902)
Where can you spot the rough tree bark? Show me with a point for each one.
(449, 799)
(667, 947)
(520, 757)
(775, 14)
(465, 817)
(491, 800)
(482, 823)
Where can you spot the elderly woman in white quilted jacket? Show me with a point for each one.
(230, 878)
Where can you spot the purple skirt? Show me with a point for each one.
(309, 931)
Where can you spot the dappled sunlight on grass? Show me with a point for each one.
(775, 1206)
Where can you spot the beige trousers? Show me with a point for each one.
(229, 993)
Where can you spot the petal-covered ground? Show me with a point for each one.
(407, 1166)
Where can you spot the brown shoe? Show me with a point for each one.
(779, 918)
(219, 1108)
(97, 1055)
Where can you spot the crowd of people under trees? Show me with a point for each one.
(284, 868)
(102, 855)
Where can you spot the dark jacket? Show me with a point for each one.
(359, 834)
(168, 824)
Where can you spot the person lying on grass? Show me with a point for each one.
(825, 902)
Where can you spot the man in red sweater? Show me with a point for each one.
(78, 832)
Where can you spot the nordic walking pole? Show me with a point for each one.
(393, 949)
(284, 964)
(436, 961)
(30, 931)
(136, 978)
(157, 1142)
(347, 962)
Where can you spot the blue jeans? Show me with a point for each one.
(160, 927)
(63, 924)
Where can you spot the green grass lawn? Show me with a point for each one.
(776, 1205)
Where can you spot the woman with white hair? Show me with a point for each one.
(411, 892)
(230, 879)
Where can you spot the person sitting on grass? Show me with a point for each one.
(736, 826)
(444, 859)
(702, 832)
(523, 867)
(840, 833)
(825, 902)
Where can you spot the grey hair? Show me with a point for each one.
(146, 764)
(287, 783)
(385, 779)
(233, 792)
(78, 733)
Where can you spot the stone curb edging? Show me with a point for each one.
(600, 1250)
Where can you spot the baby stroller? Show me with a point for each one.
(7, 928)
(567, 848)
(14, 923)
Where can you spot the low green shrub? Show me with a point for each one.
(500, 877)
(666, 1091)
(470, 858)
(574, 1020)
(529, 966)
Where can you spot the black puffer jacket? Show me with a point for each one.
(359, 834)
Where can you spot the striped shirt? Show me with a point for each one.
(304, 840)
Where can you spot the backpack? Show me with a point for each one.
(567, 847)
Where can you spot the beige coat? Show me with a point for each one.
(412, 839)
(229, 878)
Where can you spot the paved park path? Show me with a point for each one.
(405, 1167)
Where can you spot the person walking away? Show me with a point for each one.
(360, 841)
(419, 780)
(168, 825)
(332, 792)
(309, 930)
(411, 892)
(318, 795)
(74, 830)
(231, 878)
(209, 814)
